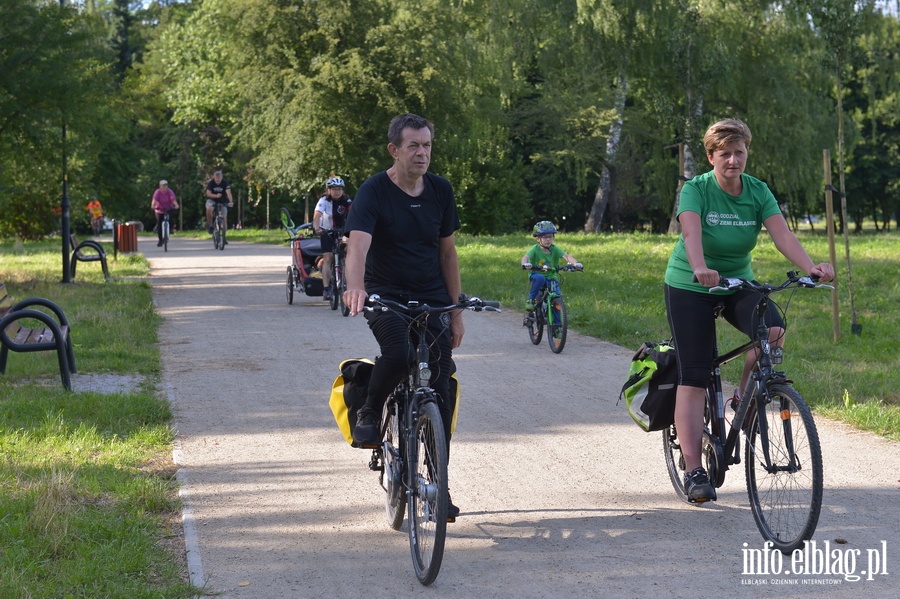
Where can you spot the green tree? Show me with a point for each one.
(53, 71)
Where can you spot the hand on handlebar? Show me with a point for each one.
(706, 277)
(355, 299)
(822, 272)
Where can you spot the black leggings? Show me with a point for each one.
(693, 327)
(393, 336)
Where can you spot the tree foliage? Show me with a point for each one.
(541, 107)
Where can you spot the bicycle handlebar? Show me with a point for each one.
(794, 280)
(567, 268)
(376, 303)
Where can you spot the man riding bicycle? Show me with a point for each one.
(402, 247)
(217, 190)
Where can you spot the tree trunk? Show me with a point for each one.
(604, 190)
(686, 174)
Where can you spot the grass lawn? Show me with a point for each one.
(87, 490)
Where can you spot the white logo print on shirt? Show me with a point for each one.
(730, 220)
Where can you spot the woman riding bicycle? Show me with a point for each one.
(331, 213)
(162, 203)
(544, 253)
(721, 214)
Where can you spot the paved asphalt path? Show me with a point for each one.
(561, 494)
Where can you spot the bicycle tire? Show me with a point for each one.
(557, 325)
(289, 288)
(165, 235)
(675, 459)
(340, 285)
(428, 500)
(334, 301)
(785, 503)
(535, 324)
(392, 474)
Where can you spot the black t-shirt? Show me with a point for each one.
(219, 187)
(404, 258)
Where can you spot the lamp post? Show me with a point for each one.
(64, 203)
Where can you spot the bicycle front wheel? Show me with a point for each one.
(784, 469)
(392, 481)
(334, 300)
(341, 287)
(429, 498)
(165, 236)
(558, 325)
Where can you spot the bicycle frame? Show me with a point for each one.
(754, 395)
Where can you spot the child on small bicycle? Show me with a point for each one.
(543, 254)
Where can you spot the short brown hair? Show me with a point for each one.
(402, 121)
(725, 132)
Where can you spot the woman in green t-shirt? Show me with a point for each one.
(721, 214)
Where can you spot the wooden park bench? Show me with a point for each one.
(87, 251)
(53, 335)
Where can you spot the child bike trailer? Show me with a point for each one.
(303, 275)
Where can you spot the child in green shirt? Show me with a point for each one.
(544, 254)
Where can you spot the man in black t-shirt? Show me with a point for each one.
(402, 246)
(218, 191)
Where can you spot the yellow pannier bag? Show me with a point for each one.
(348, 394)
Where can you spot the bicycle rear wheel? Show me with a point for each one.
(392, 475)
(535, 324)
(786, 496)
(428, 501)
(558, 326)
(675, 459)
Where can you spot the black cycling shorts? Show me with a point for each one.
(693, 327)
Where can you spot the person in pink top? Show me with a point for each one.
(163, 202)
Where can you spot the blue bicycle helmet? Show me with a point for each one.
(545, 227)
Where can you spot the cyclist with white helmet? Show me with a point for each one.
(331, 213)
(544, 253)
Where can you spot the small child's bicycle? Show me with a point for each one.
(549, 309)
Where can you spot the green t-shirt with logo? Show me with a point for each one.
(539, 258)
(730, 228)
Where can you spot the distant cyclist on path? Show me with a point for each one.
(217, 190)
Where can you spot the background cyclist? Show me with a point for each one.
(96, 210)
(544, 253)
(163, 202)
(217, 190)
(331, 213)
